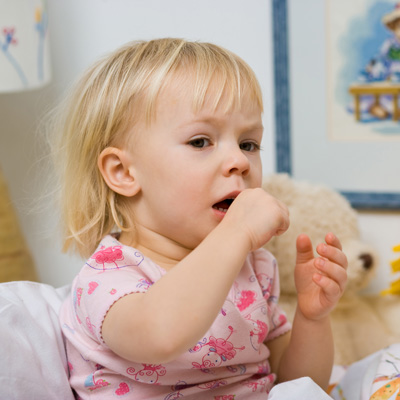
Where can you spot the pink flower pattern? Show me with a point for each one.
(246, 299)
(219, 350)
(108, 255)
(148, 374)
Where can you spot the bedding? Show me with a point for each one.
(33, 361)
(376, 377)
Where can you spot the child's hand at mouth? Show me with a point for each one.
(259, 215)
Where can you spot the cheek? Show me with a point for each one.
(181, 167)
(257, 175)
(259, 180)
(194, 178)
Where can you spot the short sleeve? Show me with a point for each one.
(267, 273)
(112, 272)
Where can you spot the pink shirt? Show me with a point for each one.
(230, 362)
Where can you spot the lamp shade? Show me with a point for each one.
(24, 45)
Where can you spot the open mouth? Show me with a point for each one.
(223, 205)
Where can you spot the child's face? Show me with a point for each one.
(187, 163)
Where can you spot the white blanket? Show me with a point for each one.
(33, 362)
(376, 377)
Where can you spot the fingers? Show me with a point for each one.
(285, 221)
(259, 215)
(327, 272)
(332, 251)
(331, 277)
(281, 214)
(331, 266)
(333, 240)
(304, 249)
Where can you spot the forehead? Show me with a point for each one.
(213, 92)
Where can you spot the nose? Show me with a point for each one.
(367, 260)
(236, 162)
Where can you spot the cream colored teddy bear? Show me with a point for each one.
(358, 327)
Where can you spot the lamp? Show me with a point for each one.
(24, 55)
(24, 65)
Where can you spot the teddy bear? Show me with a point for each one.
(358, 322)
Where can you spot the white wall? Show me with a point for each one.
(83, 30)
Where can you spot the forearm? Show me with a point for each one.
(196, 288)
(179, 308)
(310, 351)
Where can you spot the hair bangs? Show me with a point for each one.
(213, 74)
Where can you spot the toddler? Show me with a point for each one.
(161, 172)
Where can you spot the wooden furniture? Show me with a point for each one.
(375, 89)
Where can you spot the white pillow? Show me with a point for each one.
(33, 363)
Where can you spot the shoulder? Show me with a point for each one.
(113, 271)
(111, 254)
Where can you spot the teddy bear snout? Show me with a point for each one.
(367, 260)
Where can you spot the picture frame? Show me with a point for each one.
(365, 169)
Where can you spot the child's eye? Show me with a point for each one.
(250, 146)
(199, 143)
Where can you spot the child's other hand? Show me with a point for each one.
(320, 281)
(259, 215)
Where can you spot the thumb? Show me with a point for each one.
(304, 249)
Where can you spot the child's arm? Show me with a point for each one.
(177, 310)
(320, 283)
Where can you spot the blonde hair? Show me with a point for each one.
(107, 100)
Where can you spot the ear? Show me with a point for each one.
(118, 172)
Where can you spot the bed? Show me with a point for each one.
(33, 362)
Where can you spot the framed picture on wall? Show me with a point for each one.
(337, 96)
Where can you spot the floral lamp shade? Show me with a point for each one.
(24, 45)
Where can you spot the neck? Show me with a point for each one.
(163, 251)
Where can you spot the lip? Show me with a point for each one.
(232, 195)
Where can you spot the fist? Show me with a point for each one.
(259, 215)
